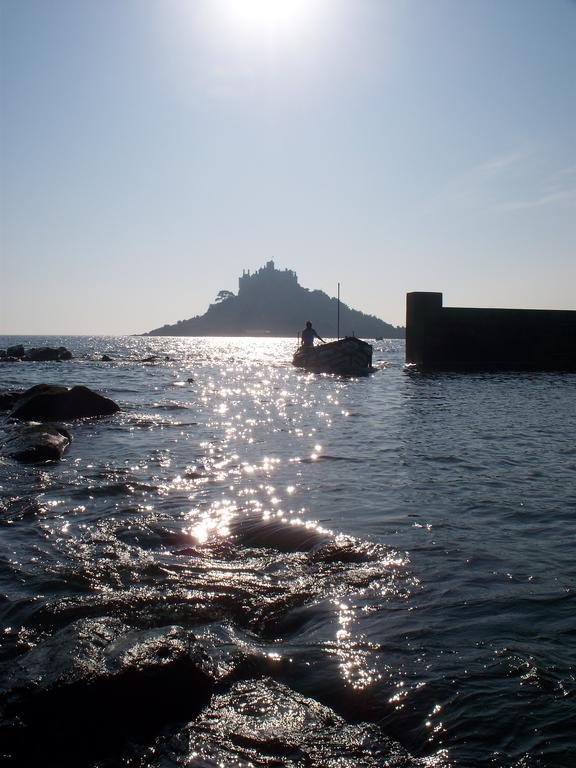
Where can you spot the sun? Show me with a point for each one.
(269, 16)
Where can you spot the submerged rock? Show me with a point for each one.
(265, 723)
(97, 649)
(346, 549)
(95, 685)
(106, 359)
(37, 443)
(47, 402)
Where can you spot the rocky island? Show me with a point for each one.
(271, 302)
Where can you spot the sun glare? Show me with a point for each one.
(269, 16)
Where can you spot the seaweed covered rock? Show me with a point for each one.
(48, 402)
(36, 443)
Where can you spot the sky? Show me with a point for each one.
(150, 150)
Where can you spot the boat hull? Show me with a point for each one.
(347, 357)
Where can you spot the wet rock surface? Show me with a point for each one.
(47, 354)
(35, 443)
(9, 397)
(191, 675)
(95, 685)
(36, 354)
(15, 352)
(263, 723)
(47, 402)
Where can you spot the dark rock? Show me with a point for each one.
(106, 359)
(37, 443)
(41, 389)
(190, 380)
(265, 723)
(96, 685)
(102, 648)
(150, 359)
(41, 354)
(47, 402)
(8, 398)
(36, 354)
(16, 351)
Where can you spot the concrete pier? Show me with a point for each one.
(454, 338)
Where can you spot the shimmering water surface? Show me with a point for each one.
(398, 548)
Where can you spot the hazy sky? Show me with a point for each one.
(152, 149)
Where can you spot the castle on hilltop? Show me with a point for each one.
(271, 302)
(265, 277)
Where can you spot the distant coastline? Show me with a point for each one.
(271, 302)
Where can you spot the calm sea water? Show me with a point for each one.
(400, 548)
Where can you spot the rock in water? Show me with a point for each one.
(37, 443)
(47, 402)
(36, 354)
(8, 398)
(265, 723)
(81, 694)
(40, 354)
(15, 351)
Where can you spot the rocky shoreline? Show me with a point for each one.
(30, 439)
(18, 353)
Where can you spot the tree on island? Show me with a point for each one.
(223, 296)
(271, 302)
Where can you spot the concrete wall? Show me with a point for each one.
(449, 338)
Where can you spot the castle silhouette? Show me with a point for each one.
(271, 302)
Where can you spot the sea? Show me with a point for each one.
(250, 565)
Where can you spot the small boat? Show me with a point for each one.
(348, 357)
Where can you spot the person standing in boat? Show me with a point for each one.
(308, 335)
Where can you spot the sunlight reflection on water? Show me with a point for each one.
(379, 537)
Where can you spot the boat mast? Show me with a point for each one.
(338, 314)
